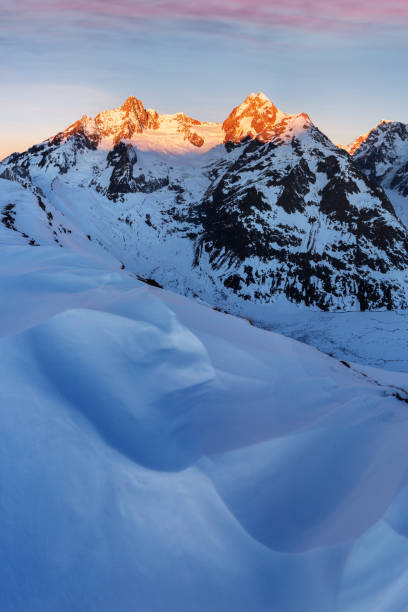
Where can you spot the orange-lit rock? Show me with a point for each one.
(254, 118)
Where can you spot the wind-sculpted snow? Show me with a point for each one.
(160, 454)
(136, 381)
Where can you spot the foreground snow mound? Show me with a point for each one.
(135, 381)
(158, 455)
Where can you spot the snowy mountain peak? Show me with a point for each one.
(258, 118)
(382, 154)
(84, 132)
(382, 126)
(387, 136)
(124, 122)
(260, 97)
(132, 104)
(254, 118)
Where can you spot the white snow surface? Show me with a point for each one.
(169, 140)
(158, 455)
(376, 338)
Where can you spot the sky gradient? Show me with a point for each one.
(342, 62)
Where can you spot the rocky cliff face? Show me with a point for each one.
(254, 118)
(260, 208)
(299, 219)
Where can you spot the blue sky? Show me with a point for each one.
(344, 63)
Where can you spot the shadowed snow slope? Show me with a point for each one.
(157, 455)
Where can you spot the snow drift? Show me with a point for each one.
(159, 455)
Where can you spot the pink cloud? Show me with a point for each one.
(319, 15)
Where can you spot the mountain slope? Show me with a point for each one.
(259, 209)
(382, 154)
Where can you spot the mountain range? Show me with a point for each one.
(260, 209)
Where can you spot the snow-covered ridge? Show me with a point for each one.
(352, 147)
(256, 118)
(382, 154)
(355, 144)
